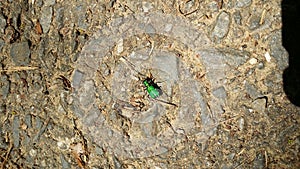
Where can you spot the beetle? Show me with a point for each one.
(152, 88)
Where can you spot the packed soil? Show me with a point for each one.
(73, 92)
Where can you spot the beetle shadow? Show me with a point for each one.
(290, 40)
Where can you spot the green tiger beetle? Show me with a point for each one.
(152, 88)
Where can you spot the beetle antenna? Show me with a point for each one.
(129, 64)
(169, 103)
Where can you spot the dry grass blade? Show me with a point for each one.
(19, 68)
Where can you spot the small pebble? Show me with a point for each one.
(241, 123)
(259, 105)
(220, 93)
(5, 86)
(222, 26)
(253, 61)
(99, 151)
(16, 131)
(254, 22)
(120, 46)
(64, 162)
(251, 90)
(213, 6)
(1, 44)
(49, 2)
(260, 65)
(2, 23)
(20, 53)
(267, 56)
(32, 152)
(243, 3)
(237, 17)
(46, 18)
(147, 6)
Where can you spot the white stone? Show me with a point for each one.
(253, 61)
(267, 56)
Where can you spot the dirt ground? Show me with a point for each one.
(72, 92)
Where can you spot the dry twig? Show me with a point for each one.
(7, 155)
